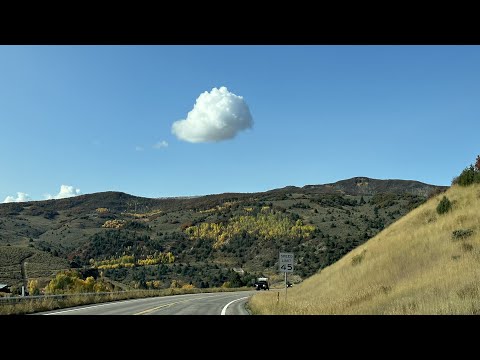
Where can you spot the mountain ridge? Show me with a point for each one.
(359, 185)
(362, 185)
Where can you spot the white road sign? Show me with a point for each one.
(285, 262)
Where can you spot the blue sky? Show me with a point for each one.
(89, 116)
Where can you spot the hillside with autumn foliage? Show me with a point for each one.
(223, 240)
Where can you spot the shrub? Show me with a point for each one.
(135, 225)
(444, 206)
(467, 247)
(467, 177)
(461, 234)
(33, 288)
(357, 259)
(50, 214)
(69, 281)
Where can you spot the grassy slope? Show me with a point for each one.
(39, 265)
(412, 267)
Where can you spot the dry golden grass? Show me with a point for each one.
(414, 266)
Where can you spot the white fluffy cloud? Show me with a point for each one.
(66, 191)
(160, 144)
(217, 115)
(21, 197)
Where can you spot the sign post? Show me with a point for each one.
(285, 264)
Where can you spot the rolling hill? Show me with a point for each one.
(425, 263)
(214, 240)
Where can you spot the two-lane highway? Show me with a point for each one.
(223, 303)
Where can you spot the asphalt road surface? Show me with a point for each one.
(223, 303)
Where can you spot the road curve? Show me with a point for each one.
(224, 303)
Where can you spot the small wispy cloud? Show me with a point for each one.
(160, 145)
(21, 197)
(139, 148)
(66, 191)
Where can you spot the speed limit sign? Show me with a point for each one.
(285, 262)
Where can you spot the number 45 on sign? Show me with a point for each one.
(286, 262)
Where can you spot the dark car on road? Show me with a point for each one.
(262, 284)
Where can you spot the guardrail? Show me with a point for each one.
(159, 292)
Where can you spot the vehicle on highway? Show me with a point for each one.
(262, 284)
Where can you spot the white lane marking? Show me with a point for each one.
(224, 310)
